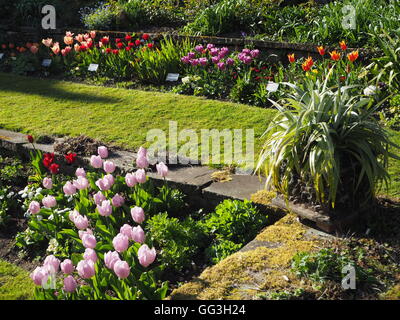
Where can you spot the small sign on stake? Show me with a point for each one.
(93, 67)
(1, 55)
(272, 86)
(46, 62)
(172, 77)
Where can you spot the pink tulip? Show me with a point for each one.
(81, 183)
(49, 202)
(79, 38)
(110, 258)
(81, 233)
(34, 207)
(39, 276)
(162, 169)
(73, 215)
(93, 34)
(117, 201)
(70, 284)
(122, 269)
(109, 178)
(80, 172)
(140, 176)
(34, 49)
(126, 230)
(146, 255)
(230, 61)
(52, 262)
(103, 152)
(109, 166)
(137, 214)
(137, 234)
(90, 254)
(120, 242)
(85, 269)
(77, 47)
(67, 266)
(47, 183)
(99, 198)
(105, 183)
(81, 222)
(56, 48)
(47, 42)
(130, 180)
(89, 241)
(142, 162)
(69, 189)
(96, 162)
(105, 209)
(255, 53)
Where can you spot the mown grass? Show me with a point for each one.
(123, 117)
(15, 283)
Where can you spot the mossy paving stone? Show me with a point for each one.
(262, 265)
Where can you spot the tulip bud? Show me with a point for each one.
(146, 255)
(67, 266)
(122, 269)
(120, 242)
(70, 284)
(137, 214)
(86, 269)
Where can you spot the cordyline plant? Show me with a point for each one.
(108, 258)
(331, 141)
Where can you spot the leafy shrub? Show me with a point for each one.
(178, 241)
(221, 249)
(317, 134)
(25, 64)
(236, 221)
(326, 265)
(100, 17)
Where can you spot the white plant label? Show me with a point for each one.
(172, 77)
(46, 62)
(272, 86)
(1, 55)
(93, 67)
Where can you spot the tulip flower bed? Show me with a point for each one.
(111, 236)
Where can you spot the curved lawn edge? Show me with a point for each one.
(15, 283)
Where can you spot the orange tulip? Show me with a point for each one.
(352, 56)
(291, 58)
(343, 45)
(321, 50)
(335, 55)
(22, 49)
(307, 64)
(68, 40)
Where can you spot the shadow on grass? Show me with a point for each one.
(51, 88)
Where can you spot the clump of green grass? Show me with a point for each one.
(15, 283)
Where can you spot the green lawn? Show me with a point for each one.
(15, 283)
(123, 117)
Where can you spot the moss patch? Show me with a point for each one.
(15, 283)
(242, 274)
(263, 197)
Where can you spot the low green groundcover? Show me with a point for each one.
(15, 283)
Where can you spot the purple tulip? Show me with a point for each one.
(89, 241)
(120, 242)
(122, 269)
(105, 209)
(210, 46)
(52, 262)
(214, 52)
(203, 61)
(130, 180)
(49, 202)
(80, 172)
(230, 61)
(137, 234)
(162, 169)
(81, 183)
(146, 255)
(34, 207)
(96, 162)
(90, 254)
(185, 60)
(99, 198)
(70, 284)
(215, 60)
(109, 166)
(47, 183)
(69, 189)
(191, 55)
(194, 62)
(137, 214)
(255, 53)
(117, 201)
(86, 269)
(81, 222)
(102, 152)
(110, 258)
(199, 48)
(140, 176)
(221, 65)
(67, 266)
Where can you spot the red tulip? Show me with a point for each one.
(70, 157)
(54, 168)
(120, 45)
(30, 138)
(150, 45)
(48, 159)
(137, 42)
(128, 38)
(145, 36)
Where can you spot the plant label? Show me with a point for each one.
(46, 63)
(172, 77)
(93, 67)
(1, 55)
(272, 86)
